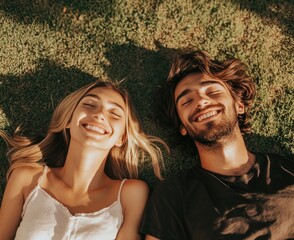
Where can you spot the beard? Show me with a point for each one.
(213, 132)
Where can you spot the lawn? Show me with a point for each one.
(50, 48)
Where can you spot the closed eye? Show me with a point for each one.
(185, 103)
(115, 114)
(214, 89)
(213, 92)
(89, 105)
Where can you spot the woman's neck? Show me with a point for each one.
(83, 170)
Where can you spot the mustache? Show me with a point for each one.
(198, 110)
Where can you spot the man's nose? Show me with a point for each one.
(201, 100)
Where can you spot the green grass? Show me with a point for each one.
(49, 48)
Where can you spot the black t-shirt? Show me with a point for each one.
(198, 204)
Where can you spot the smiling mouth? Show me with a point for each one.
(95, 128)
(206, 115)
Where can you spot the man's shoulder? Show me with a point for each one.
(272, 156)
(275, 158)
(180, 181)
(182, 176)
(279, 165)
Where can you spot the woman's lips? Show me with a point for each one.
(95, 128)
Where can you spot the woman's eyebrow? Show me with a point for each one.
(99, 99)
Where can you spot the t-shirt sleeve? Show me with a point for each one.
(286, 164)
(163, 218)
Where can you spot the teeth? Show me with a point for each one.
(206, 115)
(95, 128)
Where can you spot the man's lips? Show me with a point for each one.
(200, 115)
(206, 115)
(95, 128)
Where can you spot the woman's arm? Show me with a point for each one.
(133, 197)
(20, 182)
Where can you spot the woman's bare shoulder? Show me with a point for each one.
(26, 177)
(135, 184)
(134, 190)
(133, 197)
(26, 173)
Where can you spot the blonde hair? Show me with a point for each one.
(122, 162)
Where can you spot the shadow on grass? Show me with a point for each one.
(30, 99)
(143, 71)
(3, 168)
(276, 11)
(257, 143)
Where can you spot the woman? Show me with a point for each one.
(71, 185)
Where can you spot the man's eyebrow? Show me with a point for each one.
(182, 94)
(202, 84)
(210, 82)
(110, 102)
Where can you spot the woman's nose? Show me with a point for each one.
(99, 115)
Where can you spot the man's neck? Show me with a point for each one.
(229, 157)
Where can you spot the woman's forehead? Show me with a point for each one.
(106, 94)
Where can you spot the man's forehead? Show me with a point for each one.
(196, 80)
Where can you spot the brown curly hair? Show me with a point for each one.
(232, 72)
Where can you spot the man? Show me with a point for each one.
(232, 193)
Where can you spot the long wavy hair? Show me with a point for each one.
(122, 162)
(232, 72)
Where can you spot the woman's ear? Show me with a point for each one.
(119, 142)
(183, 130)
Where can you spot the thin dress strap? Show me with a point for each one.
(43, 174)
(119, 191)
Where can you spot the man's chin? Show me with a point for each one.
(207, 140)
(211, 137)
